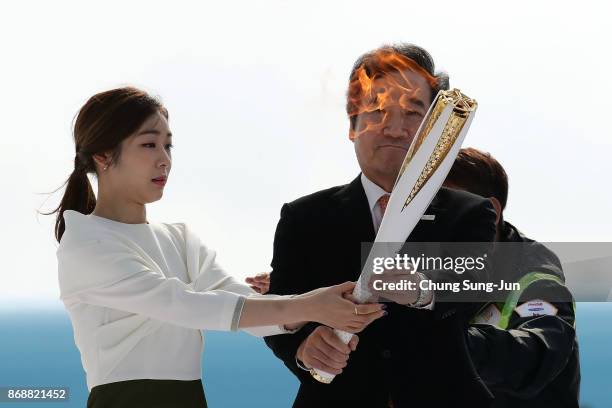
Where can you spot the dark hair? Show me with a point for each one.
(418, 55)
(479, 173)
(101, 125)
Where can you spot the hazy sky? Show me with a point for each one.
(256, 94)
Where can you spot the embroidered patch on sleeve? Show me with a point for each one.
(536, 307)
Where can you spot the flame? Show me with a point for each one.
(392, 89)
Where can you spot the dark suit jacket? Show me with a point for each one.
(416, 357)
(535, 361)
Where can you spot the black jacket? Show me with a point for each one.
(415, 357)
(534, 361)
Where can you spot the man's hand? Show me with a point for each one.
(392, 285)
(324, 351)
(260, 283)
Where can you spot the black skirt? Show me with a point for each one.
(148, 393)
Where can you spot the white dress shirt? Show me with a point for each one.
(373, 193)
(138, 295)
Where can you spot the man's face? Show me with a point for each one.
(389, 121)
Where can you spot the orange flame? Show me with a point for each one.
(393, 88)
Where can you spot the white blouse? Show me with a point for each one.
(138, 295)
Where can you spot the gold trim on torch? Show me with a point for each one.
(462, 107)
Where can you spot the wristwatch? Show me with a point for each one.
(423, 293)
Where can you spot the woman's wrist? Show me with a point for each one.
(302, 308)
(294, 326)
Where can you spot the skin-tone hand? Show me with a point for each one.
(327, 306)
(260, 283)
(325, 351)
(394, 276)
(332, 308)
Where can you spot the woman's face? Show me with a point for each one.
(145, 156)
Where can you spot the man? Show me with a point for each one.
(411, 357)
(528, 358)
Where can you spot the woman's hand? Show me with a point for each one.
(260, 283)
(330, 307)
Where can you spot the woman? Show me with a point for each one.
(138, 293)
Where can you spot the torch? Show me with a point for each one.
(424, 169)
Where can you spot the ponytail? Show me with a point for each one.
(79, 196)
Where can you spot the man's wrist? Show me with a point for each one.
(300, 364)
(298, 355)
(424, 296)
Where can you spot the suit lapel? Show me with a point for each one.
(354, 212)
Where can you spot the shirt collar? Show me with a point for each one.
(372, 190)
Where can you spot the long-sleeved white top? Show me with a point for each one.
(138, 296)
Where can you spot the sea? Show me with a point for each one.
(37, 350)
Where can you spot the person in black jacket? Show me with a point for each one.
(524, 346)
(417, 355)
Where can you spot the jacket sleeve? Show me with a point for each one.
(475, 224)
(522, 359)
(288, 266)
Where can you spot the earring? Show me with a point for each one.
(106, 167)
